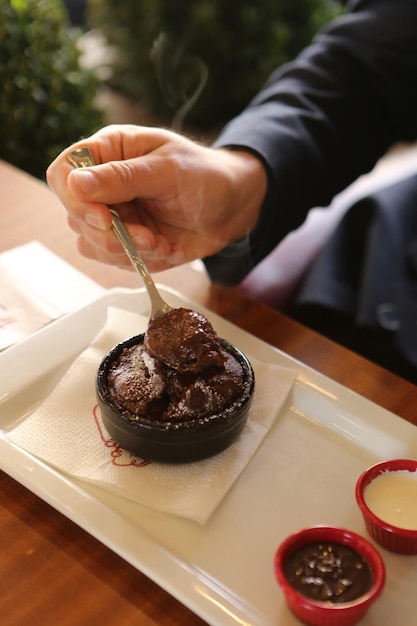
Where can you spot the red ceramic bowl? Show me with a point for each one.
(393, 538)
(326, 613)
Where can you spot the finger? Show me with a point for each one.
(129, 161)
(105, 241)
(121, 259)
(96, 254)
(147, 242)
(112, 145)
(126, 141)
(95, 214)
(154, 249)
(122, 181)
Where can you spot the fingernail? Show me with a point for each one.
(155, 254)
(176, 258)
(85, 181)
(141, 243)
(93, 219)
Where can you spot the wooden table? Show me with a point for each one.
(52, 572)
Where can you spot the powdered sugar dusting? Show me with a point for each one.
(150, 390)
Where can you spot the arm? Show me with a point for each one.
(319, 123)
(326, 118)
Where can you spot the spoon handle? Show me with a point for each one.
(159, 306)
(82, 157)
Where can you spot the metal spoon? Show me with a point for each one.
(82, 157)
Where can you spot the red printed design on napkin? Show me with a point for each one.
(118, 455)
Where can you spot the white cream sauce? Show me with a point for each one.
(392, 496)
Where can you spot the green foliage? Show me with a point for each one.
(162, 47)
(46, 99)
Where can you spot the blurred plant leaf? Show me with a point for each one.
(237, 43)
(47, 98)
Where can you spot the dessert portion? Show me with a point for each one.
(179, 370)
(184, 340)
(328, 572)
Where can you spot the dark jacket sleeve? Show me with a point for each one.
(324, 119)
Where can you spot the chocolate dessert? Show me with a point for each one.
(184, 340)
(180, 371)
(328, 572)
(177, 393)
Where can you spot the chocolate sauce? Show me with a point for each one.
(328, 572)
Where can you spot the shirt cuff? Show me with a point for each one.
(230, 266)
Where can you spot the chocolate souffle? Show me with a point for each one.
(178, 376)
(180, 371)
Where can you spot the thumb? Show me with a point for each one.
(108, 183)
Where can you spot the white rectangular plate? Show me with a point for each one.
(303, 474)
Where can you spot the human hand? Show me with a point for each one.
(178, 199)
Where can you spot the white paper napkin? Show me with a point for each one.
(37, 286)
(20, 313)
(66, 431)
